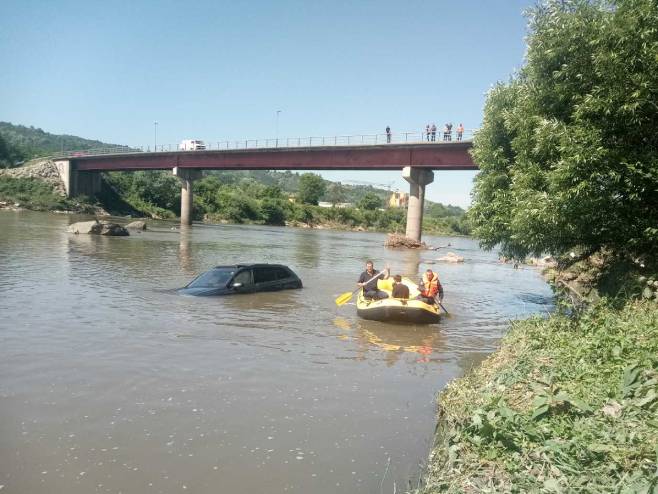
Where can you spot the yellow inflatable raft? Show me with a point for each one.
(395, 309)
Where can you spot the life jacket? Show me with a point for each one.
(431, 286)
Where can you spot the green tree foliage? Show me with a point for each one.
(568, 149)
(236, 207)
(311, 188)
(370, 202)
(149, 191)
(272, 211)
(242, 199)
(336, 193)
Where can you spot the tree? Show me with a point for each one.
(5, 156)
(370, 201)
(236, 207)
(272, 212)
(336, 193)
(311, 188)
(272, 192)
(568, 149)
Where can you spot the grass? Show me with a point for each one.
(568, 404)
(38, 195)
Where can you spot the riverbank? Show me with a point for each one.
(37, 186)
(567, 403)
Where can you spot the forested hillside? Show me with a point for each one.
(19, 143)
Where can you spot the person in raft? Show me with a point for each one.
(431, 288)
(400, 290)
(369, 284)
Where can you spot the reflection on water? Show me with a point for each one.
(185, 258)
(395, 339)
(110, 381)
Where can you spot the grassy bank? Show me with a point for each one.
(568, 404)
(37, 195)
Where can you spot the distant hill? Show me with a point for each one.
(24, 143)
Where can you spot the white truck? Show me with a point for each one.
(191, 145)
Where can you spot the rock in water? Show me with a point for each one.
(113, 230)
(98, 228)
(136, 225)
(93, 227)
(451, 257)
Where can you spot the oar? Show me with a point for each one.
(441, 305)
(343, 298)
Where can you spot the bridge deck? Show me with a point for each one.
(435, 156)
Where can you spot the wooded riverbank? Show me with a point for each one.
(218, 199)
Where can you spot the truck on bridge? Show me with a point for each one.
(191, 145)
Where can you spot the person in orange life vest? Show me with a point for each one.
(431, 288)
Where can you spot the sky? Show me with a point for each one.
(218, 71)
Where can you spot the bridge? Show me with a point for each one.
(416, 155)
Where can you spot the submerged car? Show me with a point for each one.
(242, 278)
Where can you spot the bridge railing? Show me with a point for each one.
(437, 138)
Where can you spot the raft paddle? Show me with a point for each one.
(343, 298)
(446, 310)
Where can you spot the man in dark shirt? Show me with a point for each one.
(369, 284)
(399, 289)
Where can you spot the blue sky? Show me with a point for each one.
(220, 70)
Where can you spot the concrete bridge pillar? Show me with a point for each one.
(418, 178)
(187, 176)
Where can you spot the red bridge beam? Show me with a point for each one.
(437, 156)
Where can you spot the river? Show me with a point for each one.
(110, 382)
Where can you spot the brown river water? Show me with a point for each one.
(111, 382)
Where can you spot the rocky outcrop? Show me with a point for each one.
(450, 257)
(136, 225)
(98, 228)
(44, 170)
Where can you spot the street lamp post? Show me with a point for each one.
(277, 127)
(155, 135)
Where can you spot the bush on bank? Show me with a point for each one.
(568, 404)
(35, 194)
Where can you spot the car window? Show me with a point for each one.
(263, 275)
(243, 277)
(281, 274)
(215, 278)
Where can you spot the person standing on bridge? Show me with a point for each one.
(460, 132)
(388, 134)
(433, 130)
(428, 132)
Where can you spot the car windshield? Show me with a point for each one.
(215, 278)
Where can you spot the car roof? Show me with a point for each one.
(257, 265)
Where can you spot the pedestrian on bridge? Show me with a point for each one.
(388, 134)
(428, 132)
(433, 130)
(460, 132)
(447, 132)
